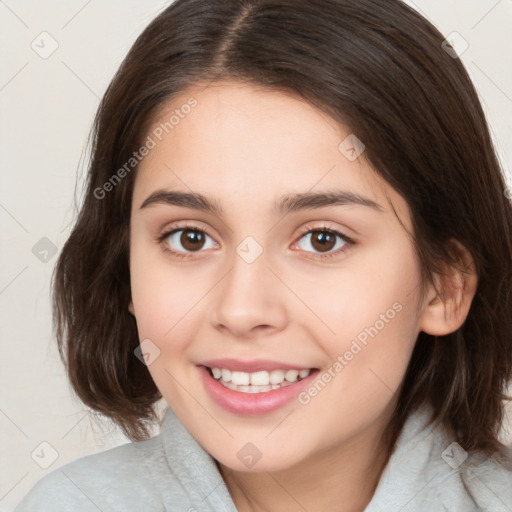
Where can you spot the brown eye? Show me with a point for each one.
(188, 240)
(192, 240)
(323, 241)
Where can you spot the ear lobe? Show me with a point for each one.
(131, 309)
(449, 299)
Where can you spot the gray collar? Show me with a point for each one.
(426, 471)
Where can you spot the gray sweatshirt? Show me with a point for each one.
(427, 472)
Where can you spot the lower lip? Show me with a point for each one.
(252, 403)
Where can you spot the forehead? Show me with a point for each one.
(243, 144)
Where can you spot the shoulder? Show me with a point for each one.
(429, 470)
(464, 481)
(122, 478)
(489, 482)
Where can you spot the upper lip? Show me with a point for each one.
(255, 365)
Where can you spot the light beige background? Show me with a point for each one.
(46, 110)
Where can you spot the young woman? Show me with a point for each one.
(296, 232)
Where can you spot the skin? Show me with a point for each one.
(245, 147)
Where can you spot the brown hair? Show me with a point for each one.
(378, 68)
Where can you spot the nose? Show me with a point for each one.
(249, 300)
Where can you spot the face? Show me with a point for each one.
(298, 269)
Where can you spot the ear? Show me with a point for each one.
(448, 300)
(131, 309)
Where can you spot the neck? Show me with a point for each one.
(342, 479)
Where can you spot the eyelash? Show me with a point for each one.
(307, 229)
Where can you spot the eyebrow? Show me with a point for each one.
(288, 203)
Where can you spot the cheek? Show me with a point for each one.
(378, 347)
(375, 297)
(368, 355)
(164, 301)
(161, 297)
(373, 311)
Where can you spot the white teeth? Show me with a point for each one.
(240, 378)
(260, 378)
(276, 376)
(291, 375)
(257, 382)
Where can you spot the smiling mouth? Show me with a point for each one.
(260, 381)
